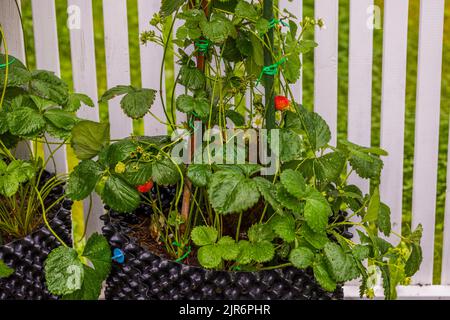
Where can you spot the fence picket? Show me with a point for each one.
(47, 58)
(325, 64)
(393, 106)
(360, 79)
(10, 20)
(117, 62)
(296, 8)
(427, 129)
(151, 57)
(85, 81)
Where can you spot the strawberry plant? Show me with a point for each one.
(237, 210)
(34, 106)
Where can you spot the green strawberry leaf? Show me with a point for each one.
(119, 195)
(204, 235)
(89, 138)
(98, 252)
(209, 256)
(294, 183)
(317, 211)
(322, 276)
(284, 226)
(228, 247)
(199, 174)
(83, 179)
(301, 257)
(231, 192)
(64, 271)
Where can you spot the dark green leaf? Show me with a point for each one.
(199, 174)
(26, 122)
(119, 195)
(192, 78)
(63, 271)
(260, 232)
(98, 252)
(83, 179)
(246, 10)
(322, 276)
(284, 226)
(301, 257)
(317, 240)
(48, 86)
(231, 192)
(75, 100)
(268, 191)
(294, 183)
(414, 261)
(165, 172)
(384, 219)
(237, 118)
(61, 119)
(136, 104)
(170, 6)
(89, 138)
(317, 211)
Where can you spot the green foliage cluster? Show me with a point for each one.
(36, 105)
(296, 216)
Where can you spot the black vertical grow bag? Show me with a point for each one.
(26, 256)
(146, 276)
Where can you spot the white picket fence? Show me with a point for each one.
(325, 95)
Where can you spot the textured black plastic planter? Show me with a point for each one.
(146, 276)
(26, 256)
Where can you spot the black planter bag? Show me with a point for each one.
(26, 256)
(146, 276)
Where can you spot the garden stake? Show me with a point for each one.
(269, 78)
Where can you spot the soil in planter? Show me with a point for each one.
(149, 274)
(27, 255)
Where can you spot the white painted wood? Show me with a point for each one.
(360, 79)
(404, 292)
(296, 8)
(10, 21)
(326, 63)
(84, 69)
(427, 129)
(393, 107)
(47, 58)
(85, 81)
(445, 275)
(151, 59)
(117, 62)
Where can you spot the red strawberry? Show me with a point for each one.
(144, 188)
(281, 103)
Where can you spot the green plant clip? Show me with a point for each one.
(202, 45)
(185, 255)
(191, 120)
(271, 70)
(275, 22)
(3, 65)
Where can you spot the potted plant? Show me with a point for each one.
(202, 215)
